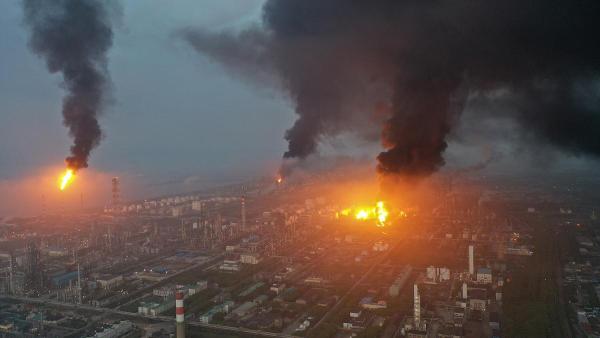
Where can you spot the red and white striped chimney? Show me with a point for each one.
(179, 314)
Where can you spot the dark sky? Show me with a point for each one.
(177, 118)
(174, 114)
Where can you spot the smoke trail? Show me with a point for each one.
(74, 36)
(430, 56)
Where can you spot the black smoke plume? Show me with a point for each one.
(426, 57)
(74, 36)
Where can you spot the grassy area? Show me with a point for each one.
(326, 330)
(201, 301)
(528, 318)
(531, 307)
(131, 307)
(190, 276)
(317, 311)
(260, 290)
(235, 279)
(371, 331)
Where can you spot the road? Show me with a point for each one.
(107, 311)
(144, 291)
(563, 307)
(342, 300)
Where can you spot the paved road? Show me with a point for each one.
(563, 307)
(161, 318)
(116, 311)
(342, 300)
(148, 289)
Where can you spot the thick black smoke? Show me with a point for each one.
(429, 56)
(74, 36)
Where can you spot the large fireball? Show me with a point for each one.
(379, 213)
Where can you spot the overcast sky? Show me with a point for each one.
(175, 113)
(176, 117)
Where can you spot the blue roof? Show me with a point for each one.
(64, 278)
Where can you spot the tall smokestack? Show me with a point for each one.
(179, 314)
(11, 276)
(471, 260)
(243, 213)
(116, 193)
(417, 307)
(109, 235)
(79, 300)
(74, 36)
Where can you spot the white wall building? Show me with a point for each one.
(109, 281)
(197, 205)
(250, 258)
(484, 275)
(436, 275)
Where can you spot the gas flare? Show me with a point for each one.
(67, 178)
(73, 38)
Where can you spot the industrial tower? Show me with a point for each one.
(116, 193)
(417, 307)
(179, 314)
(471, 260)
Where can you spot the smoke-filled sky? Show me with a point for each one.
(414, 66)
(182, 109)
(171, 114)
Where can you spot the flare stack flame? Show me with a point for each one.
(67, 178)
(73, 37)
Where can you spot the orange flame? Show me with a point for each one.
(382, 214)
(363, 214)
(67, 178)
(279, 180)
(379, 213)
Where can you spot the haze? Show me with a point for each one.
(177, 119)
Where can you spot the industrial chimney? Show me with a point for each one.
(417, 307)
(243, 213)
(471, 260)
(179, 314)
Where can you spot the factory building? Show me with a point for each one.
(221, 308)
(116, 330)
(437, 275)
(484, 276)
(109, 282)
(250, 258)
(398, 284)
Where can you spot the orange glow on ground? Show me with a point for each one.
(39, 191)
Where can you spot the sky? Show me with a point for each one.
(174, 116)
(177, 120)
